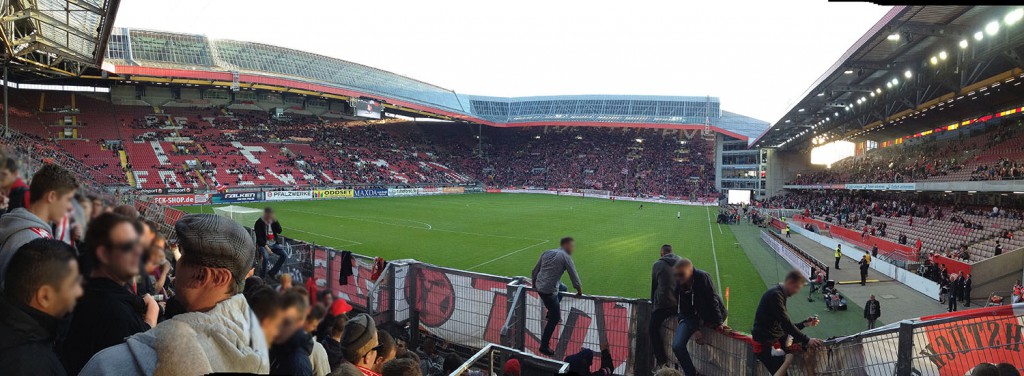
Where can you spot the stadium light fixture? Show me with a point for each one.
(992, 28)
(895, 81)
(893, 37)
(934, 60)
(888, 85)
(979, 36)
(800, 110)
(837, 114)
(963, 43)
(908, 74)
(943, 55)
(848, 71)
(1014, 16)
(862, 99)
(878, 90)
(872, 94)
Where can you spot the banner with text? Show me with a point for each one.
(371, 192)
(334, 193)
(289, 195)
(230, 198)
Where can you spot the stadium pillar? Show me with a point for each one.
(905, 349)
(414, 308)
(7, 111)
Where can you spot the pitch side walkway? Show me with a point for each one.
(898, 301)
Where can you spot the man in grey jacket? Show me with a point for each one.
(546, 276)
(51, 191)
(663, 299)
(218, 332)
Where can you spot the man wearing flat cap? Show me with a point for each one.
(218, 332)
(361, 345)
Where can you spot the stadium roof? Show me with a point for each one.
(136, 52)
(56, 36)
(915, 59)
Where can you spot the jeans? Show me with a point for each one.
(553, 317)
(658, 318)
(772, 363)
(872, 323)
(687, 326)
(278, 250)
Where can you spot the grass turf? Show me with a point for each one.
(503, 234)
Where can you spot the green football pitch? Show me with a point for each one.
(616, 241)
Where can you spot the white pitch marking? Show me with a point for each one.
(506, 255)
(714, 253)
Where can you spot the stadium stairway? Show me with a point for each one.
(129, 174)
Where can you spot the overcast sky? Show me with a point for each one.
(757, 56)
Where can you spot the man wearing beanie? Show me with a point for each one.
(360, 344)
(218, 332)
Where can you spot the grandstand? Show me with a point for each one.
(928, 99)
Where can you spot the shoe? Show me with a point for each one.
(546, 351)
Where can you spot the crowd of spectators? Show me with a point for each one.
(961, 157)
(872, 213)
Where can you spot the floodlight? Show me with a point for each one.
(992, 28)
(1014, 16)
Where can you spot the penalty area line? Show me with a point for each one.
(507, 255)
(351, 242)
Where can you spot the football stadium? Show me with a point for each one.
(180, 203)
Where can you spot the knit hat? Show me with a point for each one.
(216, 242)
(360, 336)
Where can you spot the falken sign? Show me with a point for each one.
(289, 195)
(227, 198)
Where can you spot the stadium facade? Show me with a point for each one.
(226, 71)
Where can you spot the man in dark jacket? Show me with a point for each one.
(268, 240)
(332, 343)
(41, 288)
(109, 311)
(864, 265)
(772, 323)
(967, 290)
(290, 353)
(952, 292)
(663, 299)
(872, 311)
(699, 306)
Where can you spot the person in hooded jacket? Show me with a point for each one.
(52, 190)
(332, 342)
(663, 300)
(40, 290)
(218, 332)
(700, 306)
